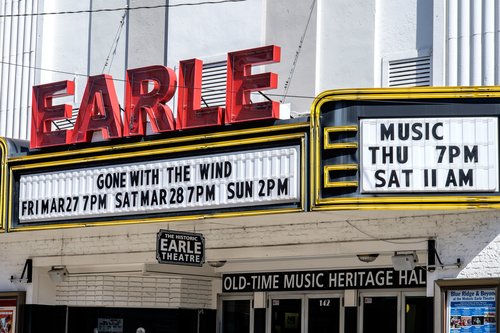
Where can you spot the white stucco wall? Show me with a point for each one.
(107, 46)
(146, 34)
(403, 29)
(345, 44)
(214, 30)
(74, 46)
(292, 25)
(66, 51)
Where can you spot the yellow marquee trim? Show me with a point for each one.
(154, 143)
(339, 129)
(3, 183)
(339, 167)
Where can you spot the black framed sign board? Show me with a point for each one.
(180, 248)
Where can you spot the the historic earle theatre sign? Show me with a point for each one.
(180, 248)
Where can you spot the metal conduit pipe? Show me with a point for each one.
(476, 43)
(497, 42)
(23, 89)
(17, 42)
(18, 36)
(488, 56)
(3, 11)
(10, 72)
(464, 42)
(452, 40)
(5, 69)
(32, 61)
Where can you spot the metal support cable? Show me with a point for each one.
(288, 82)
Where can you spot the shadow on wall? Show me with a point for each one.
(472, 237)
(424, 24)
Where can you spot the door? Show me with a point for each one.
(418, 313)
(323, 315)
(236, 315)
(305, 313)
(286, 315)
(395, 312)
(379, 314)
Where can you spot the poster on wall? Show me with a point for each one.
(7, 319)
(472, 310)
(110, 325)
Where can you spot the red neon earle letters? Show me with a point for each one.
(147, 90)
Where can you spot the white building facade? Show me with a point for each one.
(446, 43)
(100, 273)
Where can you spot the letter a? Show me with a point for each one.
(99, 111)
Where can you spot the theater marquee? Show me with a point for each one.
(145, 165)
(401, 148)
(213, 181)
(429, 155)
